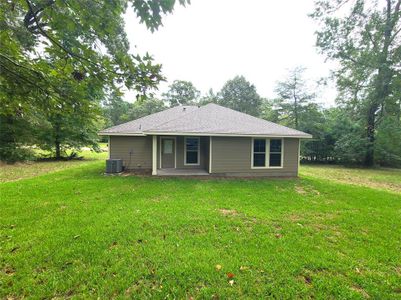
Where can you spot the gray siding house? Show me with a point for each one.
(202, 140)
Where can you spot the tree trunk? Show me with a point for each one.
(57, 143)
(370, 133)
(382, 84)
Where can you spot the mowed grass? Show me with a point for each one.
(21, 170)
(77, 233)
(380, 178)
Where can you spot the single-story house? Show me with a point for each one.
(210, 139)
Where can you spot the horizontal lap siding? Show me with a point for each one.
(141, 147)
(232, 155)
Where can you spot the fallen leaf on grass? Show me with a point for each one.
(278, 235)
(76, 236)
(14, 249)
(218, 267)
(307, 279)
(243, 268)
(230, 275)
(9, 271)
(231, 282)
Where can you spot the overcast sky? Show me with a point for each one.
(211, 41)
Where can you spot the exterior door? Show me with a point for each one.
(168, 153)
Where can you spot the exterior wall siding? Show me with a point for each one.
(232, 156)
(135, 151)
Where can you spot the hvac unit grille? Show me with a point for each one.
(114, 166)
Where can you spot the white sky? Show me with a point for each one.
(211, 41)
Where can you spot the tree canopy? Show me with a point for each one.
(241, 95)
(181, 92)
(67, 56)
(364, 38)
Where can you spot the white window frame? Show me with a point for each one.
(185, 150)
(267, 155)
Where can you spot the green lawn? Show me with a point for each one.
(78, 233)
(383, 178)
(17, 171)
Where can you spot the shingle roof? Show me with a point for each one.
(211, 119)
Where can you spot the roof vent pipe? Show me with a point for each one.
(184, 108)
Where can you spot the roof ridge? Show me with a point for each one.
(199, 107)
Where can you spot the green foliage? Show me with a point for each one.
(14, 138)
(268, 111)
(210, 97)
(144, 108)
(239, 94)
(181, 92)
(293, 98)
(115, 110)
(364, 38)
(388, 145)
(67, 55)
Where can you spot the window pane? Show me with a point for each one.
(259, 159)
(167, 146)
(259, 145)
(275, 145)
(192, 143)
(192, 157)
(275, 160)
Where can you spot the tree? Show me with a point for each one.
(293, 97)
(268, 111)
(364, 38)
(47, 45)
(143, 108)
(388, 145)
(181, 92)
(210, 97)
(239, 94)
(115, 110)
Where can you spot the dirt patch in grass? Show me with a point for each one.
(228, 212)
(361, 291)
(300, 190)
(9, 271)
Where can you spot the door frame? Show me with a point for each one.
(161, 149)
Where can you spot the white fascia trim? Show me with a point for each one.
(226, 134)
(121, 134)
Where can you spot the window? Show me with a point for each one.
(191, 151)
(167, 146)
(267, 153)
(259, 152)
(275, 153)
